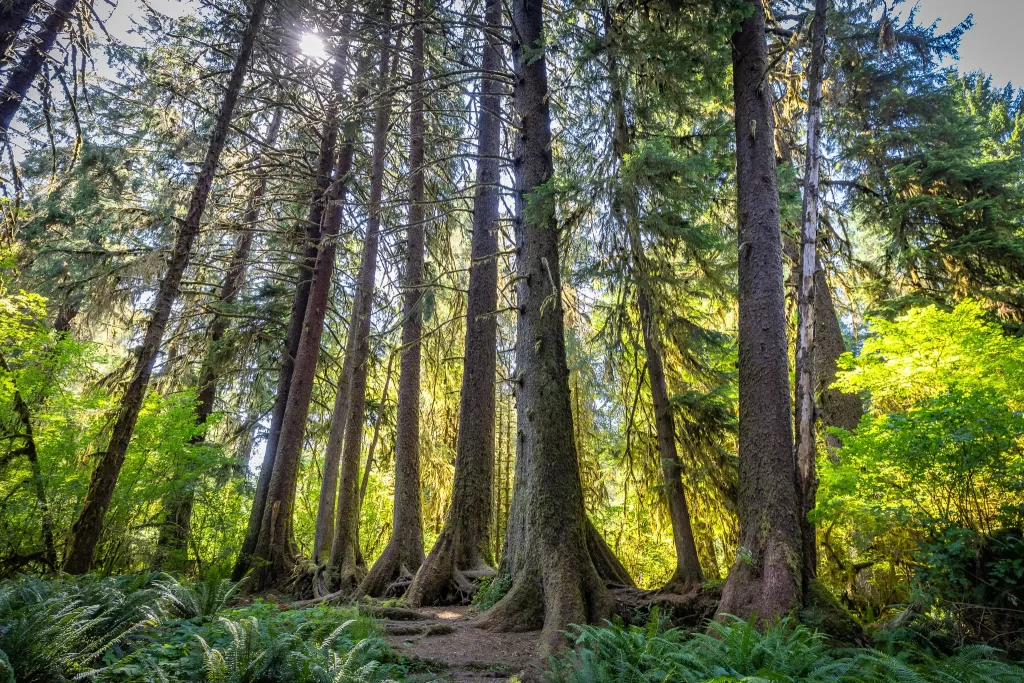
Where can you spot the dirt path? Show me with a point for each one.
(461, 652)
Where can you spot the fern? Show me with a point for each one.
(196, 600)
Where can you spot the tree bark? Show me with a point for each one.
(403, 554)
(13, 16)
(323, 535)
(300, 301)
(20, 79)
(806, 440)
(554, 581)
(274, 548)
(688, 575)
(86, 529)
(765, 578)
(464, 542)
(174, 533)
(345, 561)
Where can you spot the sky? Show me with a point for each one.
(995, 44)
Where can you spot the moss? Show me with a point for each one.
(824, 613)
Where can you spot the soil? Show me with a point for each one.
(447, 642)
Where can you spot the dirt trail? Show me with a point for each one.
(461, 652)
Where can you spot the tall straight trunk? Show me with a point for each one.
(554, 580)
(688, 575)
(806, 446)
(345, 561)
(274, 549)
(403, 554)
(86, 529)
(293, 333)
(766, 576)
(174, 533)
(13, 16)
(464, 542)
(21, 77)
(323, 535)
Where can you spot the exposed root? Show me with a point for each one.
(422, 631)
(393, 613)
(691, 610)
(388, 567)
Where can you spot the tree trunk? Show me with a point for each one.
(765, 578)
(403, 554)
(835, 408)
(13, 16)
(300, 301)
(20, 79)
(554, 581)
(323, 535)
(274, 549)
(87, 528)
(806, 440)
(345, 561)
(174, 533)
(464, 542)
(688, 575)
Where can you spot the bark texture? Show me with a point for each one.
(174, 533)
(806, 439)
(403, 554)
(345, 561)
(13, 16)
(323, 535)
(274, 552)
(554, 580)
(688, 575)
(464, 542)
(765, 578)
(85, 532)
(21, 77)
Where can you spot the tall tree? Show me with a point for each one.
(21, 77)
(554, 579)
(464, 543)
(345, 559)
(765, 577)
(87, 528)
(174, 532)
(403, 554)
(274, 547)
(300, 301)
(806, 440)
(13, 16)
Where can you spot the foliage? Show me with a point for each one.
(737, 650)
(490, 590)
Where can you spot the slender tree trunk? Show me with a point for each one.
(324, 533)
(403, 554)
(13, 16)
(346, 561)
(20, 79)
(174, 533)
(464, 542)
(21, 409)
(86, 530)
(688, 575)
(765, 578)
(300, 301)
(806, 445)
(376, 431)
(554, 580)
(274, 547)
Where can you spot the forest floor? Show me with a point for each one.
(447, 638)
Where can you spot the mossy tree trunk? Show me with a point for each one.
(766, 575)
(554, 580)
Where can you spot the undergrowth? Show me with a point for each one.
(155, 628)
(735, 650)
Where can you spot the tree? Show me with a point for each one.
(87, 528)
(15, 15)
(806, 439)
(464, 542)
(403, 554)
(765, 577)
(21, 77)
(554, 579)
(345, 560)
